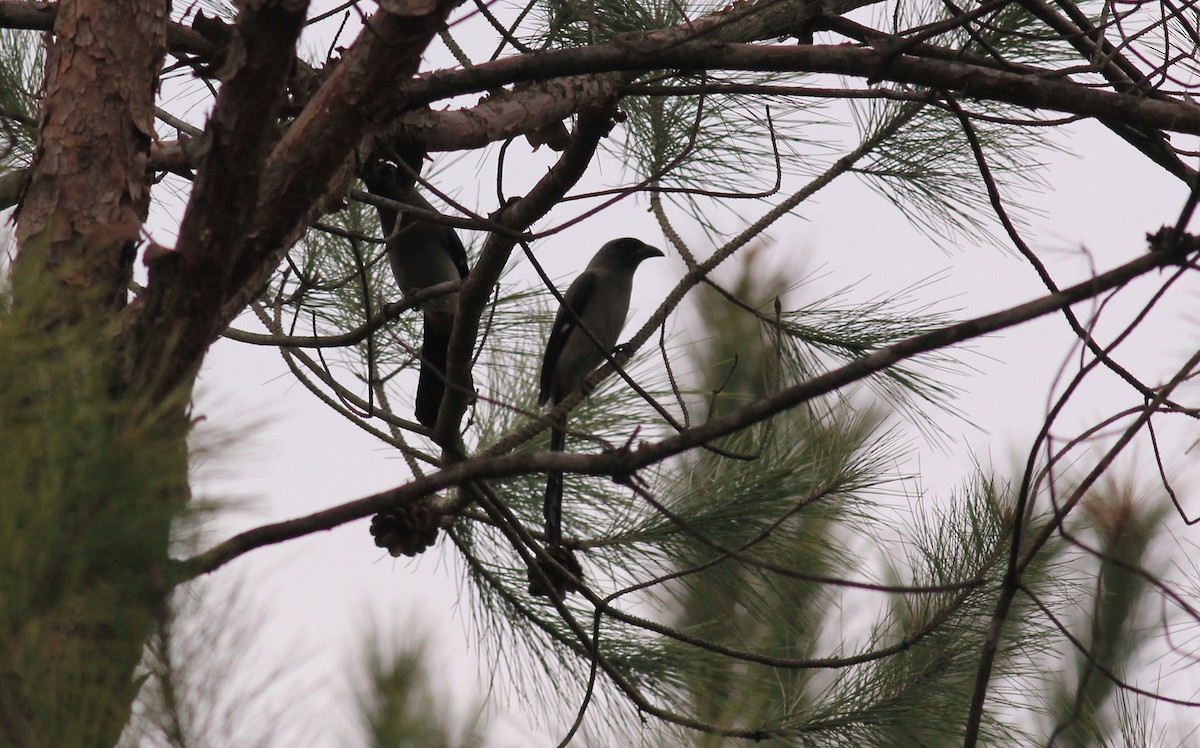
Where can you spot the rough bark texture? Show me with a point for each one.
(88, 195)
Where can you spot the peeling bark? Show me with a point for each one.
(511, 113)
(88, 193)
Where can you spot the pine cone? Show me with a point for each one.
(406, 531)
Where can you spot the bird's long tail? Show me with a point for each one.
(432, 383)
(552, 509)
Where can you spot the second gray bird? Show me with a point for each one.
(597, 300)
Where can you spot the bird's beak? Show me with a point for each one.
(646, 252)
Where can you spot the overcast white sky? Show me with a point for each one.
(317, 596)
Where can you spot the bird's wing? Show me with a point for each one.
(456, 250)
(575, 300)
(449, 240)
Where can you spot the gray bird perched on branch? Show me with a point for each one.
(422, 254)
(585, 330)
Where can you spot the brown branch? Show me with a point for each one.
(238, 138)
(968, 80)
(1162, 395)
(176, 321)
(1122, 75)
(379, 319)
(504, 115)
(1029, 486)
(680, 47)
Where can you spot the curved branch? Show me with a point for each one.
(385, 315)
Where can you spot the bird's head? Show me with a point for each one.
(628, 252)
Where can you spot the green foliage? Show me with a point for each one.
(21, 62)
(759, 537)
(691, 146)
(928, 171)
(570, 24)
(400, 710)
(827, 333)
(87, 497)
(695, 147)
(332, 283)
(1087, 709)
(926, 168)
(920, 695)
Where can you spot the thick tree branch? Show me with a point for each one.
(176, 313)
(504, 115)
(239, 136)
(970, 81)
(1124, 77)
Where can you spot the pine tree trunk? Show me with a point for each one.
(89, 192)
(99, 485)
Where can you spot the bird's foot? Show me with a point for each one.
(561, 572)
